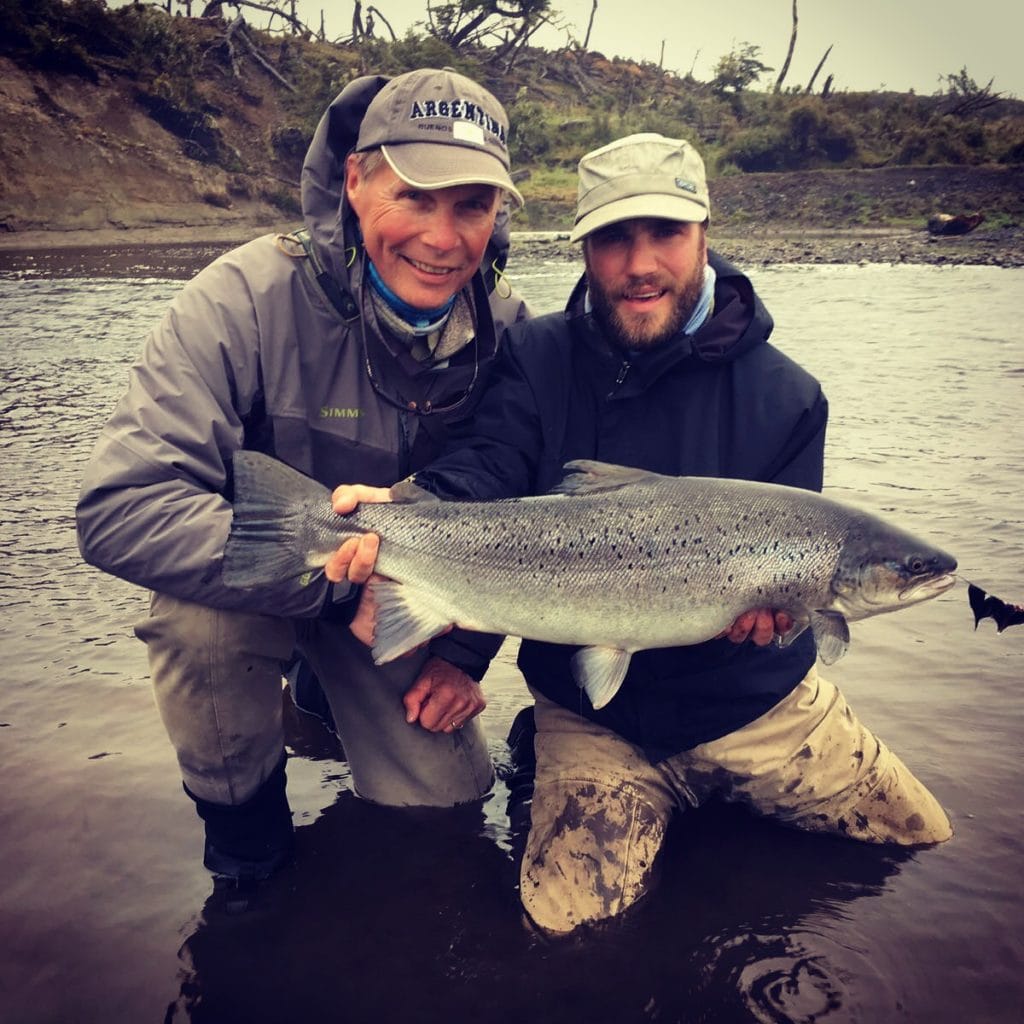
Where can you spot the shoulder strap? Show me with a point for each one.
(340, 298)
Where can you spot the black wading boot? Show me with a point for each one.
(249, 842)
(524, 766)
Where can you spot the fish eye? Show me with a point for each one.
(916, 564)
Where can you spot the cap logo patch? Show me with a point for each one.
(686, 186)
(466, 132)
(462, 114)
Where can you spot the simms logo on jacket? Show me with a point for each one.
(467, 118)
(334, 412)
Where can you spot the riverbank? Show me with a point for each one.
(179, 252)
(766, 246)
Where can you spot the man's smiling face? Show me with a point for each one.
(645, 278)
(425, 243)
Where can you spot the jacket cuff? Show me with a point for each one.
(471, 652)
(340, 603)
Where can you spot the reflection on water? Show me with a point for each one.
(109, 916)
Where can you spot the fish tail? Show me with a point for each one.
(265, 543)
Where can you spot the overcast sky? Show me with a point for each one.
(891, 44)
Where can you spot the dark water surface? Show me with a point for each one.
(106, 914)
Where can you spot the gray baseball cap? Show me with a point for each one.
(645, 175)
(437, 128)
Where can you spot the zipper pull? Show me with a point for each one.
(623, 373)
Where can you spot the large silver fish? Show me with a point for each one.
(616, 561)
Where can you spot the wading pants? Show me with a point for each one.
(600, 808)
(217, 681)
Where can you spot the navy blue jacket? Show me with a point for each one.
(724, 403)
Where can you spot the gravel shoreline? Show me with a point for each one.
(180, 252)
(758, 246)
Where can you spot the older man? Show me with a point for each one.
(661, 361)
(347, 350)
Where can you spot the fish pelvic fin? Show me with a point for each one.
(798, 629)
(831, 634)
(584, 476)
(406, 618)
(262, 546)
(599, 672)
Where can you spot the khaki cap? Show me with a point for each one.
(645, 175)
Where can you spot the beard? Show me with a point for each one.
(629, 330)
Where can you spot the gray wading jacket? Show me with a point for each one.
(256, 352)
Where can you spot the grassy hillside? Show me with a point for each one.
(133, 117)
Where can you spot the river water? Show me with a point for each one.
(107, 915)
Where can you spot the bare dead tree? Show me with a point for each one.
(821, 64)
(789, 54)
(590, 25)
(236, 67)
(516, 42)
(375, 11)
(966, 96)
(298, 27)
(237, 29)
(460, 22)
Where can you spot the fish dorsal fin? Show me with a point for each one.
(584, 476)
(831, 634)
(405, 492)
(599, 672)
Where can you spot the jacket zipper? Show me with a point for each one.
(403, 444)
(623, 373)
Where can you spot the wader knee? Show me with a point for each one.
(590, 854)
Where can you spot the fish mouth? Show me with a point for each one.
(921, 590)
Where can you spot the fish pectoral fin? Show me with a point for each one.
(831, 634)
(599, 672)
(796, 630)
(406, 618)
(584, 476)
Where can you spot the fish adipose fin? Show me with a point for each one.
(261, 546)
(584, 476)
(406, 618)
(599, 672)
(831, 634)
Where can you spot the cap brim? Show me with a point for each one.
(435, 166)
(652, 204)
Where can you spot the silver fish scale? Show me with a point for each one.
(651, 565)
